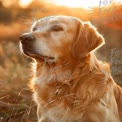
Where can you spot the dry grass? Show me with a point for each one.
(16, 104)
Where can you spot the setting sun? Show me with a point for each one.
(25, 3)
(78, 3)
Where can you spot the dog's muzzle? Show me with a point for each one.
(27, 44)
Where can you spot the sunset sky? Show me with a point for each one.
(75, 3)
(67, 3)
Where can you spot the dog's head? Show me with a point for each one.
(60, 37)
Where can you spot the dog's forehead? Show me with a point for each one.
(62, 19)
(55, 19)
(45, 19)
(40, 21)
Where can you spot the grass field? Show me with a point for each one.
(16, 104)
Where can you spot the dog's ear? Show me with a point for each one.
(87, 39)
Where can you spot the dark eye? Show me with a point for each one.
(34, 29)
(56, 28)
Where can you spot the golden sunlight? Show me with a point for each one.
(79, 3)
(73, 3)
(25, 3)
(85, 3)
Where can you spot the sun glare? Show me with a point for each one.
(78, 3)
(86, 3)
(25, 3)
(73, 3)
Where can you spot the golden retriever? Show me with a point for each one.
(69, 83)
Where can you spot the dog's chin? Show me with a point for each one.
(38, 57)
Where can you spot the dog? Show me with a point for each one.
(69, 83)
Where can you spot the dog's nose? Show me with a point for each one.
(26, 38)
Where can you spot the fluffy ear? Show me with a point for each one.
(86, 40)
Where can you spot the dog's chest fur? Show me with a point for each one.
(74, 100)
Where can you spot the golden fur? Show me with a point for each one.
(69, 83)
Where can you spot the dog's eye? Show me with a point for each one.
(34, 29)
(56, 28)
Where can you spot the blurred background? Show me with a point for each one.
(16, 17)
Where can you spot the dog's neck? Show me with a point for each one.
(53, 72)
(65, 71)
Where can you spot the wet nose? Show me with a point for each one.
(26, 38)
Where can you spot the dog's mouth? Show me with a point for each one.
(31, 53)
(40, 57)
